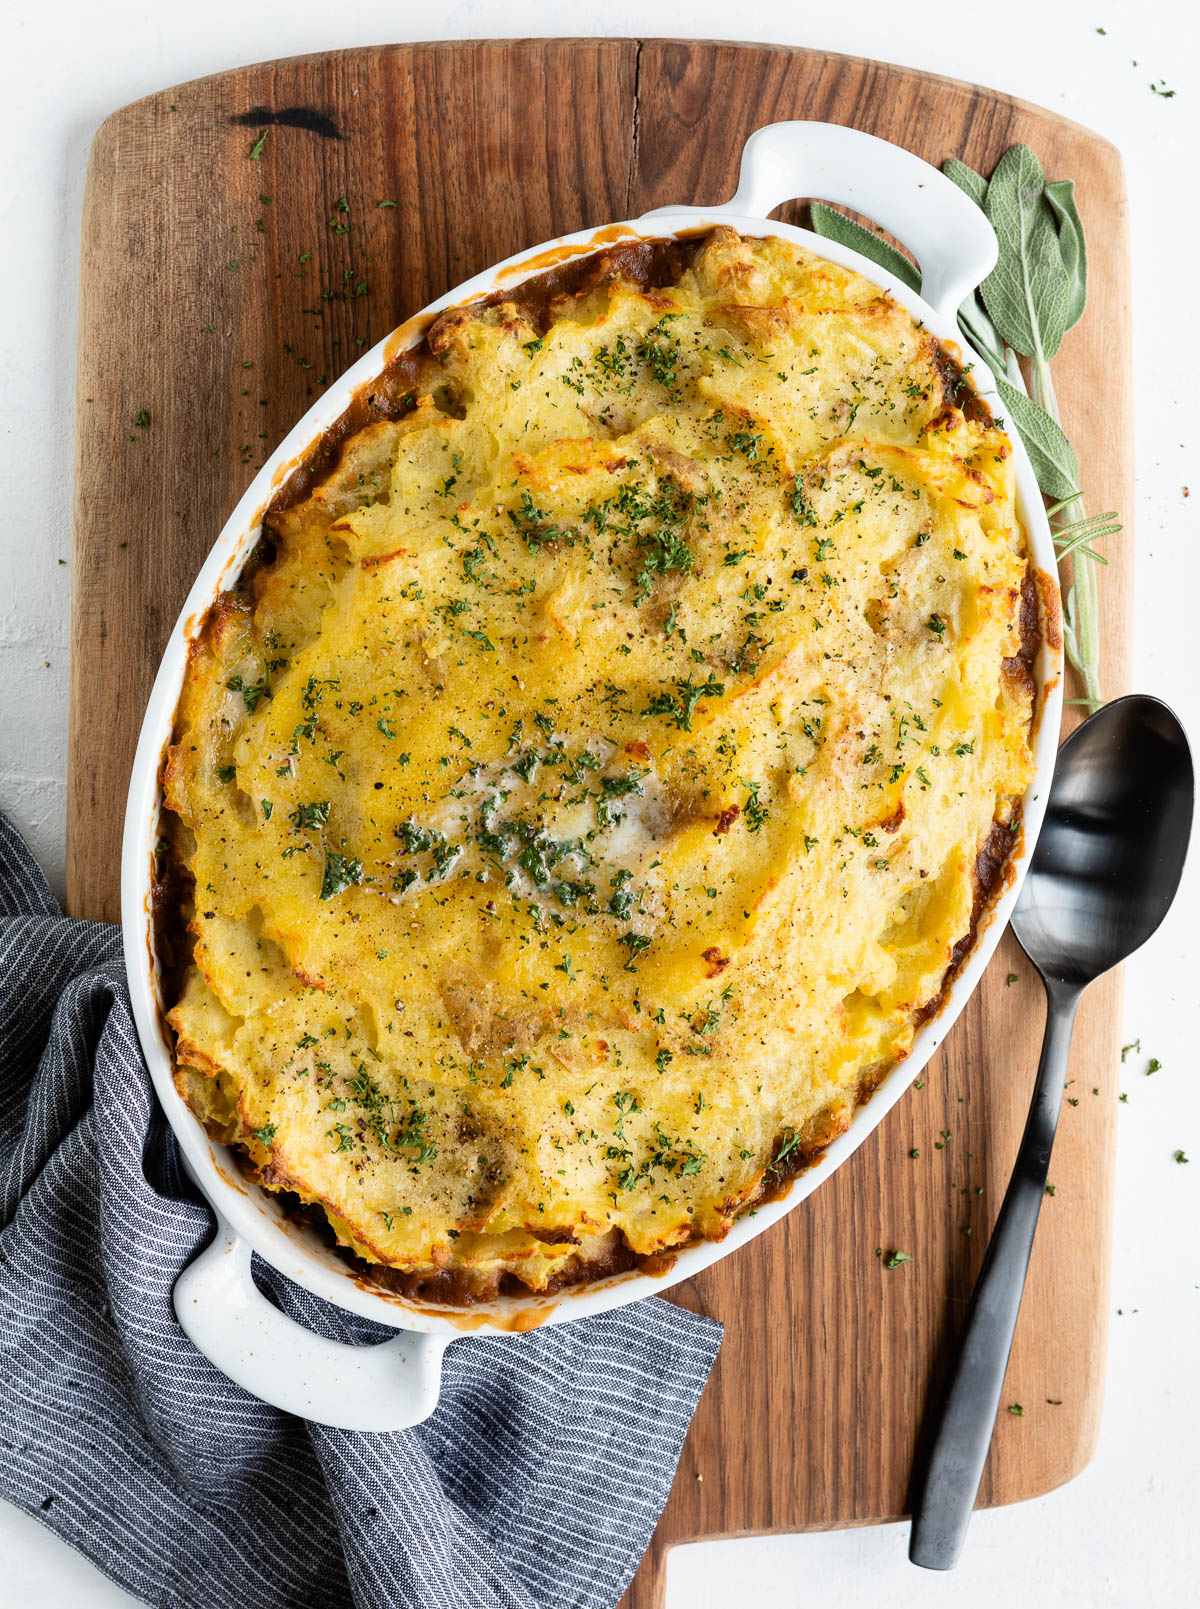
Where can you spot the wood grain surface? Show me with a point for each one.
(220, 292)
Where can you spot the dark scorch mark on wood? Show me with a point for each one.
(291, 117)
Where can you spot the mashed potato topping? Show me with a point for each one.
(583, 798)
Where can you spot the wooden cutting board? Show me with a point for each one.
(226, 278)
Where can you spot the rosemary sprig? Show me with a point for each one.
(1033, 296)
(1081, 533)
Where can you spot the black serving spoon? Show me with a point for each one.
(1103, 875)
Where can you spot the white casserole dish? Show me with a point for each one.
(396, 1383)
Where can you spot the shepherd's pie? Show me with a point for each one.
(593, 779)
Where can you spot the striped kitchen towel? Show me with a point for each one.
(536, 1483)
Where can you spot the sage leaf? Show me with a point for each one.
(1061, 196)
(1028, 293)
(966, 179)
(834, 225)
(1050, 453)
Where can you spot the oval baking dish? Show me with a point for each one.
(218, 1304)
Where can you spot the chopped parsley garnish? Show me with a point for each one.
(747, 442)
(754, 812)
(789, 1143)
(616, 788)
(621, 900)
(413, 1135)
(310, 816)
(654, 521)
(416, 839)
(535, 525)
(660, 351)
(252, 692)
(802, 508)
(340, 872)
(681, 704)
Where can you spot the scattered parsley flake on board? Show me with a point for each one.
(895, 1258)
(256, 150)
(1016, 1409)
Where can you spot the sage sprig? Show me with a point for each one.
(1034, 295)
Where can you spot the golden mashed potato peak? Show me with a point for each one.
(583, 796)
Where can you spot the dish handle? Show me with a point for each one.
(390, 1386)
(943, 228)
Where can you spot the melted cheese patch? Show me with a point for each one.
(587, 799)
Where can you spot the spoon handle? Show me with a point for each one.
(967, 1414)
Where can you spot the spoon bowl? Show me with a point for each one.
(1101, 879)
(1113, 843)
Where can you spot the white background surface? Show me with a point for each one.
(1125, 1532)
